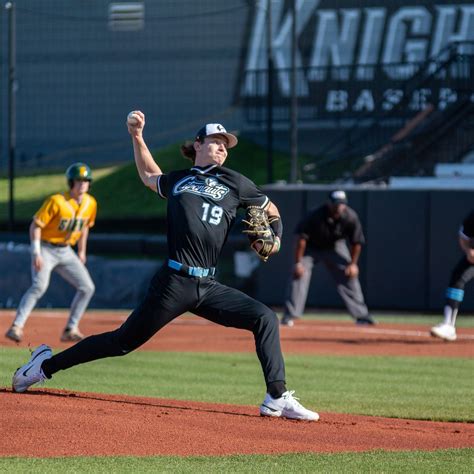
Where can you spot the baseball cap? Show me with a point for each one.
(338, 197)
(211, 129)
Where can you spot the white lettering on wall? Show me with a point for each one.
(334, 45)
(448, 16)
(352, 39)
(337, 101)
(371, 43)
(399, 47)
(281, 46)
(365, 101)
(446, 96)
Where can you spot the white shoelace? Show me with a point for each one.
(42, 378)
(294, 400)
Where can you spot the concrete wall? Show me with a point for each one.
(119, 283)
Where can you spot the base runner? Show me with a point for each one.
(62, 221)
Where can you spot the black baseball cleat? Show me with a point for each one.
(365, 321)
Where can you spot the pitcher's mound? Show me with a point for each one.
(45, 423)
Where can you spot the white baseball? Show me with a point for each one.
(132, 118)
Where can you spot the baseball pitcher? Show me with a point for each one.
(202, 205)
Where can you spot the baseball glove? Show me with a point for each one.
(259, 232)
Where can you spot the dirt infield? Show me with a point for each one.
(193, 334)
(98, 424)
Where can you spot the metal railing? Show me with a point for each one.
(452, 65)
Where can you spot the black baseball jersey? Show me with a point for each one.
(322, 231)
(467, 229)
(202, 206)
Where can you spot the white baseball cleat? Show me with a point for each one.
(287, 406)
(444, 331)
(287, 320)
(31, 372)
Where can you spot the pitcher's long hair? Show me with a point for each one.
(188, 151)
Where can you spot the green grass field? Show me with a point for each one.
(399, 387)
(442, 461)
(405, 387)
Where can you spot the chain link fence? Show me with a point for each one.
(81, 66)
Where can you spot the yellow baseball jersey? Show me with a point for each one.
(62, 219)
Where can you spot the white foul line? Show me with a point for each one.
(304, 327)
(371, 330)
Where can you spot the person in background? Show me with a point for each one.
(462, 273)
(63, 220)
(322, 236)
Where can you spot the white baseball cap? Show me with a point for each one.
(338, 197)
(211, 129)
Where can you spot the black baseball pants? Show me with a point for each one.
(171, 294)
(462, 274)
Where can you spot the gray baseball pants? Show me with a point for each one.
(66, 262)
(348, 288)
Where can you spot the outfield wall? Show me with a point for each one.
(406, 264)
(412, 245)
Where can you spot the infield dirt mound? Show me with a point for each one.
(47, 423)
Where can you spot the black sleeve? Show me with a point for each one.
(303, 227)
(250, 194)
(467, 229)
(356, 234)
(162, 185)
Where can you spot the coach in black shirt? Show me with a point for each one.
(322, 236)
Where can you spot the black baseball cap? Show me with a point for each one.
(338, 197)
(211, 129)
